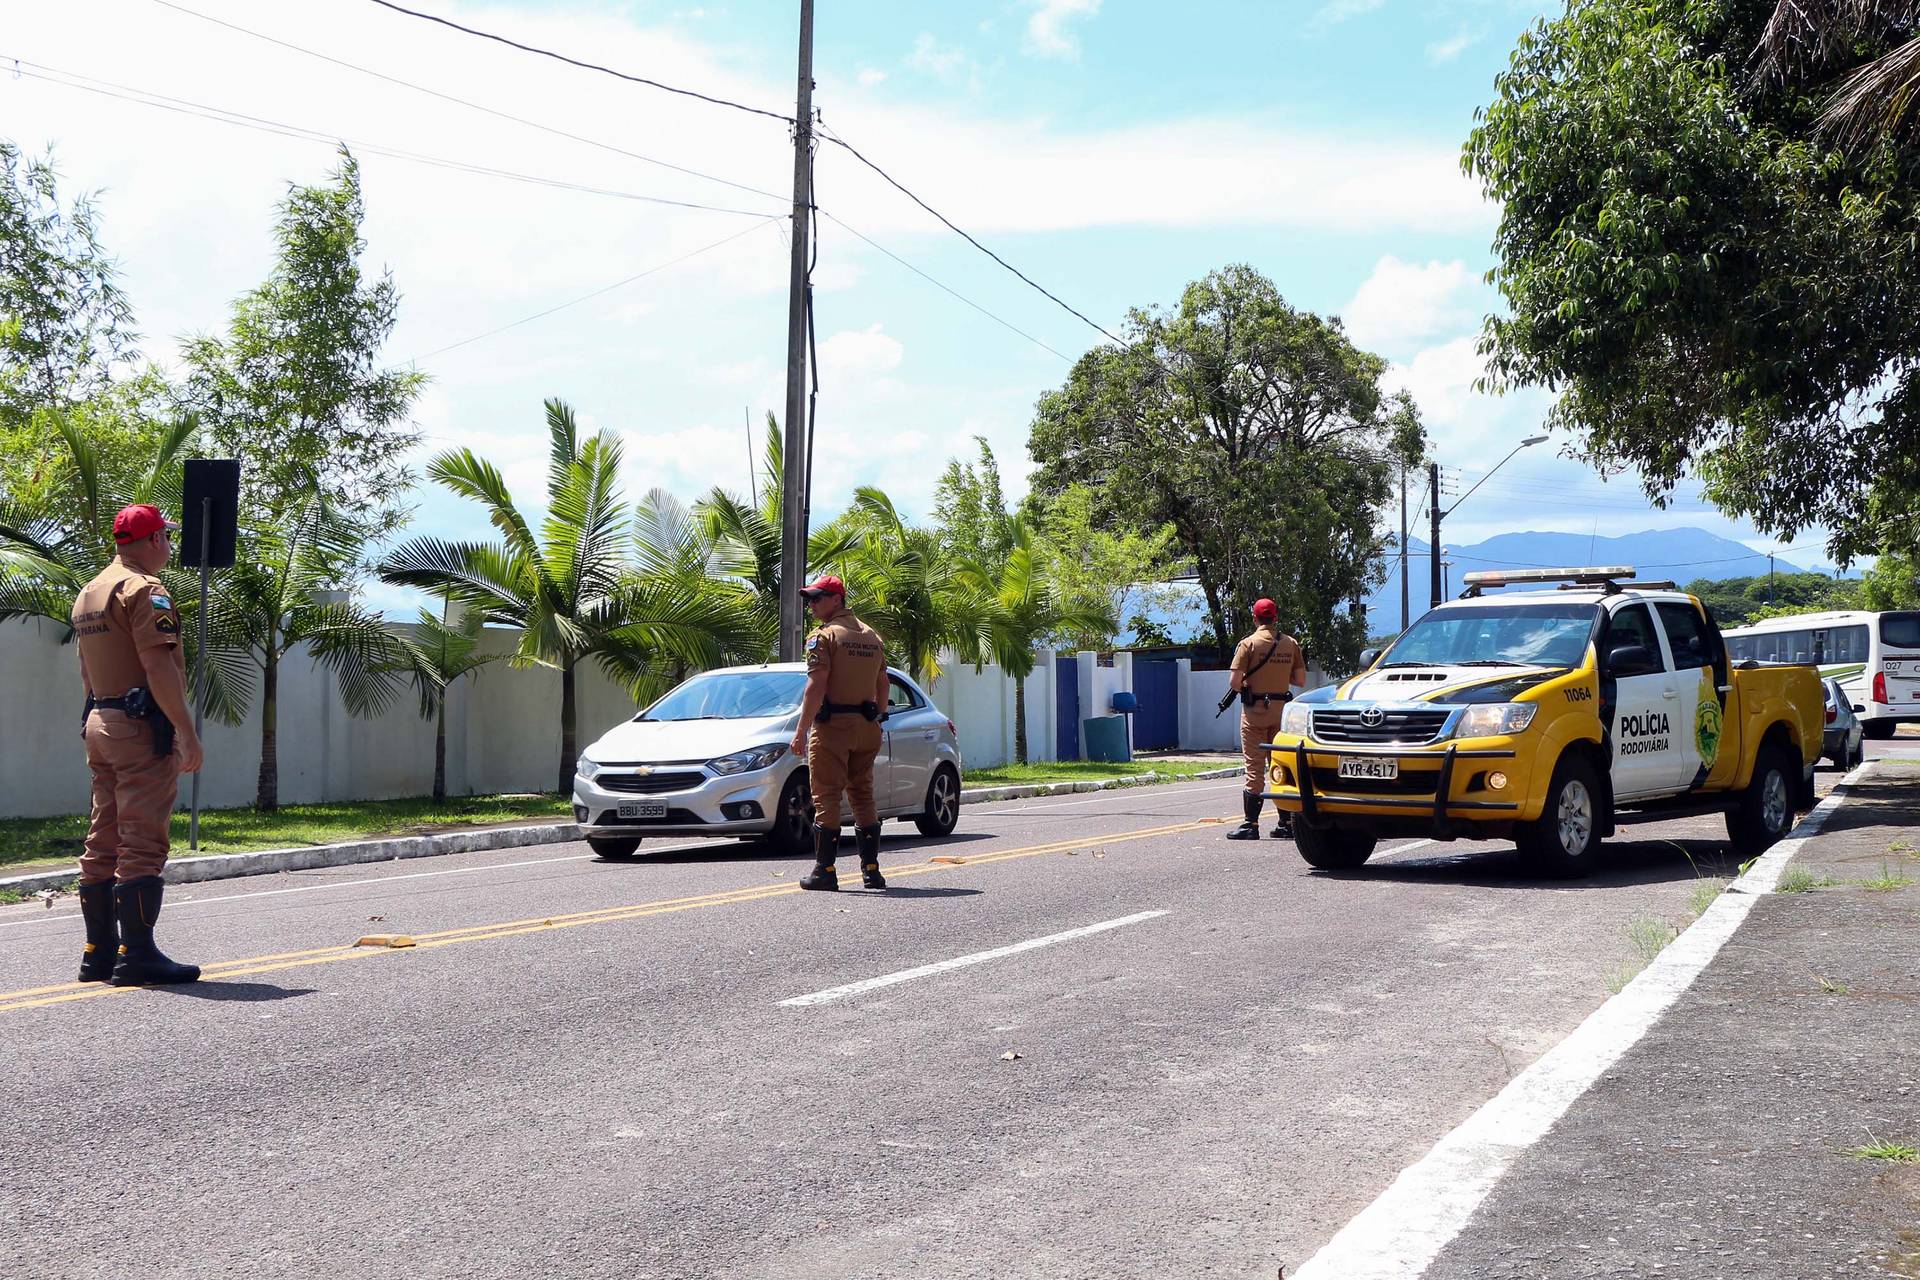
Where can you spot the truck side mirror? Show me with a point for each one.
(1630, 660)
(1368, 657)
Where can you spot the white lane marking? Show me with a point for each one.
(961, 962)
(1405, 1228)
(1417, 844)
(1118, 793)
(182, 903)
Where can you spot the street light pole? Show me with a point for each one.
(1438, 582)
(795, 469)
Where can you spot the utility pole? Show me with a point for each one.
(1769, 577)
(1433, 553)
(1403, 546)
(794, 468)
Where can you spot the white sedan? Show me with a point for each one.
(711, 758)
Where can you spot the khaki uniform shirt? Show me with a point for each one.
(118, 616)
(1286, 668)
(851, 654)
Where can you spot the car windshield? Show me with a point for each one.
(1543, 635)
(732, 695)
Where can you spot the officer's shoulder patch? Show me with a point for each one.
(166, 625)
(816, 640)
(160, 598)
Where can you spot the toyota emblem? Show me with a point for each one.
(1372, 717)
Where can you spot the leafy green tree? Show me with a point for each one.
(1712, 285)
(281, 594)
(1105, 573)
(1259, 432)
(1862, 56)
(970, 509)
(442, 654)
(294, 389)
(1736, 601)
(570, 588)
(903, 585)
(1892, 583)
(1023, 608)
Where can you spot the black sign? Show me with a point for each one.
(209, 509)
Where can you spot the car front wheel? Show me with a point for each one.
(1565, 838)
(618, 850)
(942, 813)
(793, 821)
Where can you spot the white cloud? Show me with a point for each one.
(1337, 11)
(1441, 51)
(870, 76)
(860, 352)
(942, 61)
(1048, 27)
(1405, 302)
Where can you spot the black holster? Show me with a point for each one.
(139, 705)
(1250, 699)
(867, 710)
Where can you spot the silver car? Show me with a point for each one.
(711, 758)
(1840, 742)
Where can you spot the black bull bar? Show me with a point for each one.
(1437, 808)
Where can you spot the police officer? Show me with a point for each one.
(1267, 666)
(845, 701)
(140, 739)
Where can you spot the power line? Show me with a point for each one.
(465, 102)
(1003, 323)
(1030, 282)
(221, 115)
(585, 66)
(588, 297)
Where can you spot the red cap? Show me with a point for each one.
(140, 520)
(825, 585)
(1265, 610)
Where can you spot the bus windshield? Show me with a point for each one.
(1538, 635)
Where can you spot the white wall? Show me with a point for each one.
(981, 706)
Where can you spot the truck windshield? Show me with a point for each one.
(1539, 635)
(732, 695)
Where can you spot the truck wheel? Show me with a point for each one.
(1332, 850)
(1565, 839)
(1765, 810)
(615, 850)
(1879, 730)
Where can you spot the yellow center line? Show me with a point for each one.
(36, 997)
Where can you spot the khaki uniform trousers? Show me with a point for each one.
(840, 757)
(1257, 725)
(133, 795)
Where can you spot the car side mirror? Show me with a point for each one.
(1368, 657)
(1630, 660)
(1858, 707)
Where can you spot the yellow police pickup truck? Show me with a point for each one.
(1546, 716)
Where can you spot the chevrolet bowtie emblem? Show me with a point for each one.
(643, 770)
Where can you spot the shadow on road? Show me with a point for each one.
(896, 891)
(1622, 862)
(753, 851)
(237, 992)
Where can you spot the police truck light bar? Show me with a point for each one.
(1508, 577)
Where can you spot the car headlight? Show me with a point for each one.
(749, 761)
(1494, 719)
(1296, 720)
(585, 769)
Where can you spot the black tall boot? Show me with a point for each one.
(103, 939)
(1283, 826)
(1250, 828)
(136, 904)
(826, 847)
(867, 839)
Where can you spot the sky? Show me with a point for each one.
(1114, 150)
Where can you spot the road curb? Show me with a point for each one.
(263, 862)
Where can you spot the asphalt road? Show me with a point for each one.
(587, 1068)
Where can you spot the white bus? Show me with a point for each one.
(1874, 656)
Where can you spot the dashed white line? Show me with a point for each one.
(1400, 1234)
(960, 962)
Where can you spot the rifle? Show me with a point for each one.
(1231, 696)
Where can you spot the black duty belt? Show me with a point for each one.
(138, 704)
(866, 710)
(1248, 699)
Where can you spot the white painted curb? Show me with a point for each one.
(227, 866)
(1400, 1234)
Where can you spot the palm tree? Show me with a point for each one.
(1025, 607)
(569, 588)
(744, 537)
(445, 652)
(274, 600)
(905, 588)
(1816, 40)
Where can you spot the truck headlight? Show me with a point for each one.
(751, 760)
(1495, 719)
(585, 769)
(1297, 719)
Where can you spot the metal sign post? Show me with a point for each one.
(200, 667)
